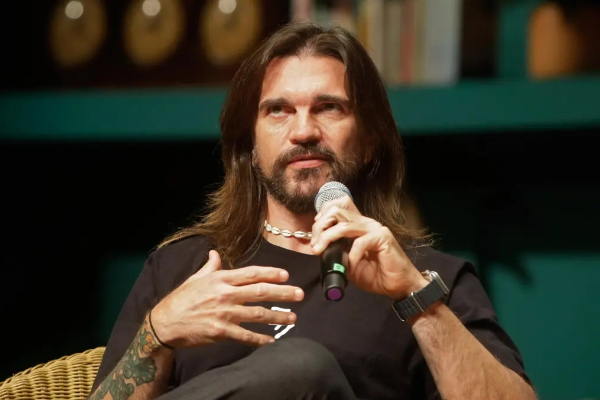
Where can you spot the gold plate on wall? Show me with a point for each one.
(77, 31)
(229, 29)
(152, 30)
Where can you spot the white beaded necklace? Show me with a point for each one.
(286, 233)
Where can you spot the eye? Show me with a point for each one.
(276, 110)
(331, 107)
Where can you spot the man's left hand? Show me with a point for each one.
(377, 263)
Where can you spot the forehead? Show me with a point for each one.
(300, 76)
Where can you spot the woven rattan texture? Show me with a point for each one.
(69, 377)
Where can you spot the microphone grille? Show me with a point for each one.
(330, 191)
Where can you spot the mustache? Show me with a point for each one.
(309, 150)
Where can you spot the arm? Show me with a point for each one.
(204, 309)
(142, 372)
(461, 366)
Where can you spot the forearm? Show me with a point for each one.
(143, 371)
(461, 366)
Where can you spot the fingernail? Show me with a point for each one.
(283, 274)
(271, 340)
(291, 318)
(317, 216)
(298, 293)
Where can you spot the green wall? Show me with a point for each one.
(539, 259)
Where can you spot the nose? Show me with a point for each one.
(306, 129)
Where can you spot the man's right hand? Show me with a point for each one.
(209, 306)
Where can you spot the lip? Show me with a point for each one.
(307, 161)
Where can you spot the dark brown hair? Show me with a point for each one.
(234, 221)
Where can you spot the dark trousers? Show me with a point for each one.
(294, 368)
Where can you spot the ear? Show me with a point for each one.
(369, 144)
(254, 157)
(369, 151)
(368, 155)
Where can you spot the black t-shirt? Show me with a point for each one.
(377, 352)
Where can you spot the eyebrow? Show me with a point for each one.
(329, 98)
(266, 104)
(322, 98)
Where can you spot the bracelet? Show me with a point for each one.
(155, 335)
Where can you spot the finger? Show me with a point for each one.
(266, 292)
(328, 219)
(235, 332)
(344, 202)
(361, 246)
(213, 264)
(338, 231)
(261, 314)
(254, 274)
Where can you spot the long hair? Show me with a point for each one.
(235, 212)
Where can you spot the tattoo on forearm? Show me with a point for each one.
(135, 368)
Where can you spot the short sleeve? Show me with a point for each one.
(471, 304)
(141, 298)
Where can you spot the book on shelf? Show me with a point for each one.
(441, 33)
(410, 41)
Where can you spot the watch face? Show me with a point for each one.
(229, 29)
(152, 30)
(77, 31)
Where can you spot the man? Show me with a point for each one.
(230, 309)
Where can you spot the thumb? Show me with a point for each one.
(213, 264)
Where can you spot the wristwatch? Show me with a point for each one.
(420, 301)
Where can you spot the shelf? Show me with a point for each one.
(192, 114)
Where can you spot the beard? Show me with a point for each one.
(298, 192)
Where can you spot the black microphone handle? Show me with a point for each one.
(334, 262)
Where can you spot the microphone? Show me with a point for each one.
(334, 259)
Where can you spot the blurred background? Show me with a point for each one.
(109, 141)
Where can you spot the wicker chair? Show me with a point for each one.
(69, 377)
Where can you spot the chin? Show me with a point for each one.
(308, 184)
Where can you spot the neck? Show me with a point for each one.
(282, 218)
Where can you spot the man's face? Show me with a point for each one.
(305, 132)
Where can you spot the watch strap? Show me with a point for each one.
(420, 301)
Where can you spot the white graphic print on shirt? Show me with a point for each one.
(277, 327)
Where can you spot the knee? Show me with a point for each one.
(303, 357)
(302, 350)
(296, 368)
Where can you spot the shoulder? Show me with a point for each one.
(448, 266)
(175, 262)
(181, 250)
